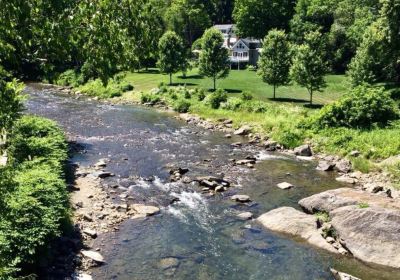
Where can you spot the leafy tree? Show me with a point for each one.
(214, 58)
(189, 18)
(172, 54)
(275, 59)
(255, 18)
(308, 67)
(10, 105)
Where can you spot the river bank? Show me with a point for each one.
(240, 163)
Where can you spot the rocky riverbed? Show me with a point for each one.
(155, 198)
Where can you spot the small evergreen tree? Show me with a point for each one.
(214, 58)
(275, 59)
(308, 67)
(172, 54)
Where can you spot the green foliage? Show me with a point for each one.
(70, 78)
(362, 107)
(245, 96)
(215, 99)
(34, 199)
(201, 94)
(10, 105)
(308, 67)
(362, 205)
(214, 59)
(362, 164)
(232, 104)
(255, 18)
(172, 54)
(322, 216)
(182, 106)
(275, 59)
(112, 89)
(149, 98)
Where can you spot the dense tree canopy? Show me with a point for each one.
(254, 18)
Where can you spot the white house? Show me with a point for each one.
(243, 51)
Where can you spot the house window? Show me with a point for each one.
(245, 54)
(235, 54)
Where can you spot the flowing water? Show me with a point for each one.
(198, 236)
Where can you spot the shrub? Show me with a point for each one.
(34, 198)
(232, 104)
(245, 96)
(362, 107)
(255, 107)
(70, 78)
(149, 98)
(216, 98)
(182, 106)
(201, 94)
(96, 88)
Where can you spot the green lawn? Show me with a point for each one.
(243, 80)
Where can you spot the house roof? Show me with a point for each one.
(224, 26)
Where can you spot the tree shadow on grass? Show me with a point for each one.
(182, 84)
(230, 90)
(289, 100)
(313, 106)
(149, 71)
(194, 76)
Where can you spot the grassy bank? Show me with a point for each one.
(34, 206)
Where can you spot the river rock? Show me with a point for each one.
(291, 221)
(373, 187)
(285, 186)
(240, 198)
(83, 276)
(245, 215)
(325, 166)
(347, 180)
(355, 153)
(101, 163)
(270, 145)
(371, 234)
(303, 150)
(90, 232)
(343, 166)
(102, 174)
(394, 160)
(96, 256)
(145, 209)
(342, 276)
(244, 130)
(168, 263)
(245, 161)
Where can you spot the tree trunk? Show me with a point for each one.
(274, 91)
(311, 95)
(215, 82)
(170, 79)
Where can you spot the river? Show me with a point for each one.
(199, 233)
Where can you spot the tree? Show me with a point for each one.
(308, 67)
(214, 58)
(189, 18)
(275, 59)
(254, 18)
(172, 54)
(10, 105)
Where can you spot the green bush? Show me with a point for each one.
(232, 104)
(70, 78)
(245, 96)
(362, 107)
(182, 106)
(216, 98)
(149, 98)
(33, 199)
(255, 106)
(201, 94)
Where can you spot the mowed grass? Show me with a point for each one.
(243, 80)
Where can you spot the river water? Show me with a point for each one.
(198, 235)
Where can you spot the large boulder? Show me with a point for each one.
(291, 221)
(333, 199)
(371, 234)
(244, 130)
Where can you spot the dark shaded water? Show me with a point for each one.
(201, 232)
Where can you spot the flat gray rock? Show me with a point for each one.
(285, 186)
(240, 198)
(245, 216)
(146, 210)
(371, 234)
(293, 222)
(97, 257)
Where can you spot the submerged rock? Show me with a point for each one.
(240, 198)
(168, 263)
(291, 221)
